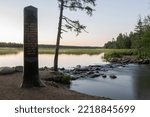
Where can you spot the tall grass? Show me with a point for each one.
(113, 53)
(4, 51)
(76, 51)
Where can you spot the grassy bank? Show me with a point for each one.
(113, 53)
(109, 53)
(4, 51)
(76, 51)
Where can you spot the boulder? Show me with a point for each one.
(19, 68)
(6, 70)
(114, 60)
(62, 69)
(146, 61)
(78, 66)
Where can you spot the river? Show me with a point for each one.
(132, 82)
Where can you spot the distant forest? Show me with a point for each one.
(18, 45)
(139, 39)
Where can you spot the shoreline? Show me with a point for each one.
(10, 90)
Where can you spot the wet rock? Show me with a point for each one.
(66, 71)
(62, 69)
(6, 70)
(125, 61)
(78, 66)
(146, 61)
(94, 75)
(114, 60)
(74, 77)
(104, 75)
(140, 61)
(75, 72)
(90, 72)
(19, 68)
(82, 69)
(113, 76)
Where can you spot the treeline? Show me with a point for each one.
(17, 45)
(14, 45)
(139, 39)
(67, 47)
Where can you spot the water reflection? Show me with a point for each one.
(47, 60)
(142, 76)
(133, 81)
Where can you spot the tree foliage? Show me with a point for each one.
(139, 39)
(65, 23)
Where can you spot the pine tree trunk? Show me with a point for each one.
(58, 37)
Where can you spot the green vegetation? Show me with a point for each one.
(76, 51)
(59, 78)
(138, 40)
(117, 53)
(4, 51)
(66, 79)
(66, 24)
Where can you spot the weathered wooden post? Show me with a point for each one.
(31, 71)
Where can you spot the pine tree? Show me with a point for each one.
(73, 25)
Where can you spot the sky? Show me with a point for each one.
(110, 18)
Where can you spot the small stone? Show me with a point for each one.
(94, 75)
(90, 72)
(113, 76)
(104, 75)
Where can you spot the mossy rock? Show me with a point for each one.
(59, 78)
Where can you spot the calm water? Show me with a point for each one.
(133, 81)
(47, 60)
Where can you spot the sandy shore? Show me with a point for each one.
(10, 90)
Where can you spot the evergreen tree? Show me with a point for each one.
(73, 5)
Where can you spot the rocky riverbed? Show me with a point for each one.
(91, 71)
(129, 60)
(11, 79)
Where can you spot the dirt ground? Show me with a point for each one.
(10, 90)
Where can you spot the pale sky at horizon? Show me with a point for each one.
(110, 18)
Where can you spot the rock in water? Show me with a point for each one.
(113, 76)
(94, 75)
(6, 70)
(104, 75)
